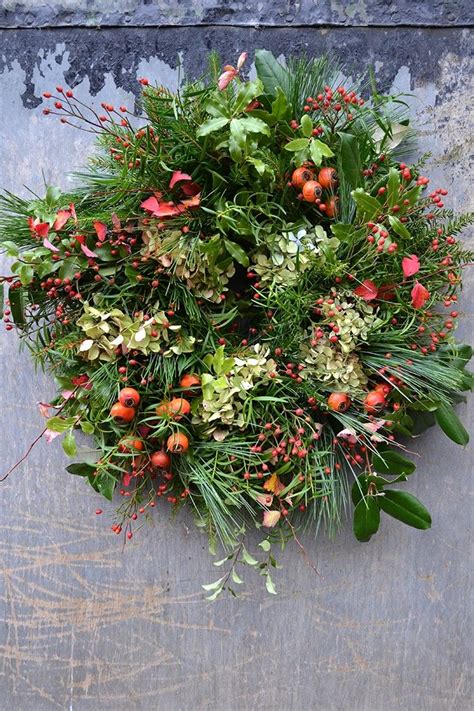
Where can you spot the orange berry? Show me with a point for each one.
(129, 397)
(339, 402)
(190, 381)
(332, 206)
(312, 191)
(177, 443)
(327, 177)
(160, 460)
(301, 176)
(121, 414)
(175, 408)
(374, 402)
(128, 444)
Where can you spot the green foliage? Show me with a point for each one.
(189, 249)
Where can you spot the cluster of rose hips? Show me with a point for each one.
(311, 187)
(374, 401)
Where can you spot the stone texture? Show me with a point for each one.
(86, 625)
(280, 13)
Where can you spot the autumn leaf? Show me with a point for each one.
(271, 518)
(61, 218)
(367, 290)
(177, 177)
(419, 295)
(410, 265)
(273, 484)
(48, 245)
(101, 230)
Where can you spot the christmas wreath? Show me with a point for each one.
(248, 301)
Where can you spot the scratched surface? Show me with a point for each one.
(86, 625)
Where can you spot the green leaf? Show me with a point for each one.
(247, 558)
(323, 148)
(237, 139)
(87, 427)
(131, 274)
(69, 444)
(81, 469)
(60, 424)
(265, 545)
(213, 586)
(306, 126)
(280, 107)
(297, 144)
(315, 153)
(236, 252)
(366, 519)
(236, 578)
(367, 206)
(252, 124)
(388, 461)
(53, 194)
(393, 185)
(269, 584)
(451, 424)
(246, 93)
(406, 508)
(271, 73)
(17, 306)
(350, 159)
(212, 125)
(398, 227)
(11, 248)
(359, 489)
(105, 484)
(26, 274)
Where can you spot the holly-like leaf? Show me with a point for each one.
(367, 206)
(393, 186)
(269, 70)
(406, 508)
(81, 469)
(366, 519)
(212, 125)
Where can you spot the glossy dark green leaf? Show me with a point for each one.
(359, 489)
(398, 227)
(17, 306)
(81, 469)
(367, 206)
(236, 252)
(350, 160)
(271, 73)
(406, 508)
(389, 461)
(393, 186)
(451, 424)
(366, 519)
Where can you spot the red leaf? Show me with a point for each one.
(386, 292)
(410, 265)
(367, 290)
(126, 479)
(88, 252)
(48, 245)
(41, 229)
(190, 189)
(419, 295)
(101, 230)
(177, 176)
(62, 216)
(151, 204)
(73, 212)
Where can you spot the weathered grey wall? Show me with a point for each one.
(85, 626)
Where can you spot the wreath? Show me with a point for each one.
(248, 302)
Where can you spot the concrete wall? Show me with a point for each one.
(87, 626)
